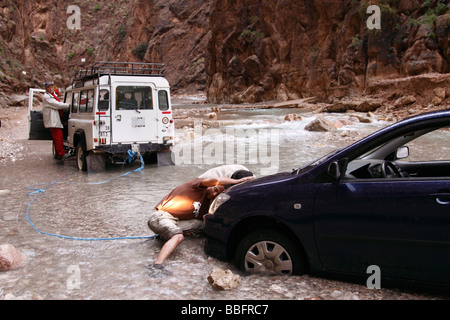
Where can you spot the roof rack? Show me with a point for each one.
(120, 68)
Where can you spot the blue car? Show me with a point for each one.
(383, 201)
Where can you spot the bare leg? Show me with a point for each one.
(169, 247)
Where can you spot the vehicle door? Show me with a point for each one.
(36, 129)
(81, 120)
(166, 128)
(402, 225)
(133, 113)
(74, 102)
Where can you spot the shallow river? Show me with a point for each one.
(74, 206)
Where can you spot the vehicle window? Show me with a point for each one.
(134, 97)
(86, 101)
(433, 146)
(68, 98)
(428, 156)
(103, 100)
(75, 102)
(163, 100)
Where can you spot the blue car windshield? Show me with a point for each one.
(315, 162)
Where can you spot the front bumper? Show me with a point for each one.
(215, 249)
(214, 231)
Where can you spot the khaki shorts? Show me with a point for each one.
(165, 225)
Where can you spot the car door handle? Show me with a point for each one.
(441, 198)
(119, 117)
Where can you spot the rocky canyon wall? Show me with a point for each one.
(233, 50)
(289, 49)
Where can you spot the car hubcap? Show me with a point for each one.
(269, 258)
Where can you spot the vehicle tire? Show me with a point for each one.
(80, 155)
(269, 252)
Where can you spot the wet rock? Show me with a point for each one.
(212, 115)
(292, 117)
(339, 123)
(404, 101)
(361, 105)
(363, 119)
(440, 93)
(436, 101)
(439, 96)
(223, 279)
(10, 258)
(320, 124)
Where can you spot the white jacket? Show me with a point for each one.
(50, 111)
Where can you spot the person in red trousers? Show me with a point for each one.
(52, 119)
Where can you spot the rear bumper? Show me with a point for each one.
(143, 147)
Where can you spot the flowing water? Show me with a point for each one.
(74, 206)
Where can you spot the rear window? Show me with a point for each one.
(134, 97)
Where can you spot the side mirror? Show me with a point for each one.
(402, 152)
(336, 170)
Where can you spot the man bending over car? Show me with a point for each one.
(182, 210)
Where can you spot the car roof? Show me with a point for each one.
(434, 115)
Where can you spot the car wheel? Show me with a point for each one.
(81, 154)
(269, 252)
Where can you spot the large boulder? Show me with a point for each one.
(320, 124)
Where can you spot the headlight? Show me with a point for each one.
(218, 201)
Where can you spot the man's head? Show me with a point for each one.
(241, 174)
(214, 191)
(49, 86)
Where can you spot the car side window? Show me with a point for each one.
(433, 146)
(75, 102)
(103, 100)
(86, 101)
(427, 156)
(68, 98)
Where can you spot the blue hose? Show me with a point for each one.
(41, 191)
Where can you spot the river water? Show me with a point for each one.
(74, 206)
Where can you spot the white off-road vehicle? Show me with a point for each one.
(117, 110)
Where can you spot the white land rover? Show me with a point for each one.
(117, 110)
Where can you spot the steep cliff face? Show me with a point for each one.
(178, 34)
(36, 43)
(234, 50)
(288, 49)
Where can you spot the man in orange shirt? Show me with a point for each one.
(182, 210)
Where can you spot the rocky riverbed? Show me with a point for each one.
(66, 269)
